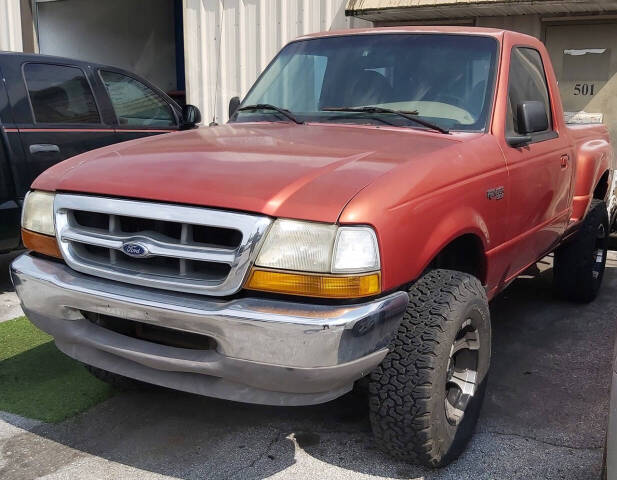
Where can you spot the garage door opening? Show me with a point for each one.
(143, 36)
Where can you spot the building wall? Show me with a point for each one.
(10, 26)
(529, 24)
(228, 43)
(137, 35)
(28, 32)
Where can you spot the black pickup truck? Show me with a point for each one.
(53, 108)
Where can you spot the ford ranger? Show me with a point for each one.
(368, 197)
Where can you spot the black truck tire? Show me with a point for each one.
(578, 267)
(418, 411)
(119, 382)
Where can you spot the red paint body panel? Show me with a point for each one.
(420, 190)
(308, 172)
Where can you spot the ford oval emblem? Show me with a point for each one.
(134, 250)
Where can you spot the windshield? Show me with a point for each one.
(445, 79)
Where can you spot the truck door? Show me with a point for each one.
(540, 173)
(9, 207)
(56, 113)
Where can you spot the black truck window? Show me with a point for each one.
(135, 103)
(60, 94)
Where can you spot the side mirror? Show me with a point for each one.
(191, 116)
(234, 103)
(532, 118)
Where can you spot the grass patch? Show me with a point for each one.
(38, 381)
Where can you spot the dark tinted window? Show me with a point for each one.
(135, 103)
(60, 94)
(527, 83)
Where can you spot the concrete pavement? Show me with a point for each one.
(544, 416)
(9, 303)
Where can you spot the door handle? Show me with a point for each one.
(565, 158)
(44, 147)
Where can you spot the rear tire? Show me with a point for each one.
(579, 264)
(426, 395)
(118, 382)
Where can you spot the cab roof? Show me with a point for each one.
(497, 33)
(41, 57)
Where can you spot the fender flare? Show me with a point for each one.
(463, 221)
(592, 162)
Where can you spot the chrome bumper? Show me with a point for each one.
(268, 351)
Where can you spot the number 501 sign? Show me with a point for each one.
(584, 89)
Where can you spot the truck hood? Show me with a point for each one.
(297, 171)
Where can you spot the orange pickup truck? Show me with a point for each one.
(368, 197)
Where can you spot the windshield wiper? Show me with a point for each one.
(409, 115)
(266, 106)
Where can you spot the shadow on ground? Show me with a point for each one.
(544, 415)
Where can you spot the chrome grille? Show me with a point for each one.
(189, 249)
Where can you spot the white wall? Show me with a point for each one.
(137, 35)
(10, 26)
(222, 64)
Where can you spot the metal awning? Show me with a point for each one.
(405, 10)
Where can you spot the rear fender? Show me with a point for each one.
(592, 161)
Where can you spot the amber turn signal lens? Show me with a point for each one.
(37, 242)
(324, 286)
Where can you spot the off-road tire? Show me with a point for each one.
(407, 390)
(119, 382)
(577, 269)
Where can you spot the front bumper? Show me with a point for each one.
(267, 351)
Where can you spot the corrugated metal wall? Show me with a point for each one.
(227, 43)
(10, 26)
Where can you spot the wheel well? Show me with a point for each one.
(602, 187)
(464, 254)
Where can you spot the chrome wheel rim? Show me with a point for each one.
(599, 252)
(462, 374)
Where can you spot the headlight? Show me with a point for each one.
(301, 246)
(319, 260)
(37, 224)
(319, 248)
(38, 213)
(355, 250)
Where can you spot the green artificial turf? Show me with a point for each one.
(38, 381)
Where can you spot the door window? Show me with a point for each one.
(527, 83)
(60, 94)
(136, 104)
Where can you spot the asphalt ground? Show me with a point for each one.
(544, 415)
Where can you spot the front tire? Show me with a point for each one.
(579, 264)
(426, 395)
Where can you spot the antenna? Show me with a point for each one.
(218, 63)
